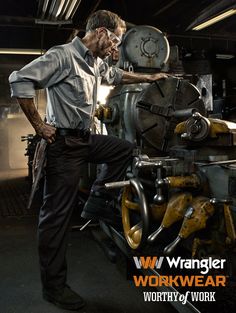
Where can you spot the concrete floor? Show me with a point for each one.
(101, 283)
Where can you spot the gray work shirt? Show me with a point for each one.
(71, 77)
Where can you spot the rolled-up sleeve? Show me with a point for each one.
(43, 72)
(111, 75)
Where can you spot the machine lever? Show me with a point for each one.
(152, 238)
(172, 246)
(118, 184)
(85, 225)
(229, 222)
(159, 183)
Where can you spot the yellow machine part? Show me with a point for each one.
(229, 224)
(158, 211)
(190, 181)
(176, 208)
(196, 216)
(132, 234)
(216, 127)
(103, 112)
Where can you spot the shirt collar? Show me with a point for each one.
(80, 47)
(83, 51)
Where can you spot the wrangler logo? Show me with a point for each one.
(148, 262)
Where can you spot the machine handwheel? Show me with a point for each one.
(133, 199)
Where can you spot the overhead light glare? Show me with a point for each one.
(71, 8)
(22, 51)
(56, 11)
(215, 19)
(62, 3)
(224, 56)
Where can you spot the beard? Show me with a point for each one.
(103, 50)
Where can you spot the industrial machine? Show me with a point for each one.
(179, 197)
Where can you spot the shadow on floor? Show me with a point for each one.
(90, 273)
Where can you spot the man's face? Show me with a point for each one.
(108, 41)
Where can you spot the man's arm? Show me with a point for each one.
(132, 78)
(42, 129)
(43, 72)
(113, 75)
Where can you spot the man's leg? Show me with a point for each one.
(117, 155)
(61, 188)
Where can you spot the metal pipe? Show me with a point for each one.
(216, 163)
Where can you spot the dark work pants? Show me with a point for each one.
(65, 157)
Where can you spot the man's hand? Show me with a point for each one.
(157, 76)
(48, 132)
(44, 130)
(132, 78)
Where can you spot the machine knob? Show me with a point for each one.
(159, 199)
(171, 247)
(155, 234)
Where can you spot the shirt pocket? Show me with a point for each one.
(84, 87)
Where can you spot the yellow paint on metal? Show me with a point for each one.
(158, 211)
(216, 127)
(197, 242)
(229, 225)
(190, 181)
(132, 205)
(196, 216)
(133, 234)
(176, 208)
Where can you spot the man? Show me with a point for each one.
(71, 74)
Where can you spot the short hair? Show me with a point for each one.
(104, 18)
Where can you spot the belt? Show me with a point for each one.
(82, 133)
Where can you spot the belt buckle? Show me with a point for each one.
(80, 133)
(85, 133)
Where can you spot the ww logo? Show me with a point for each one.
(148, 262)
